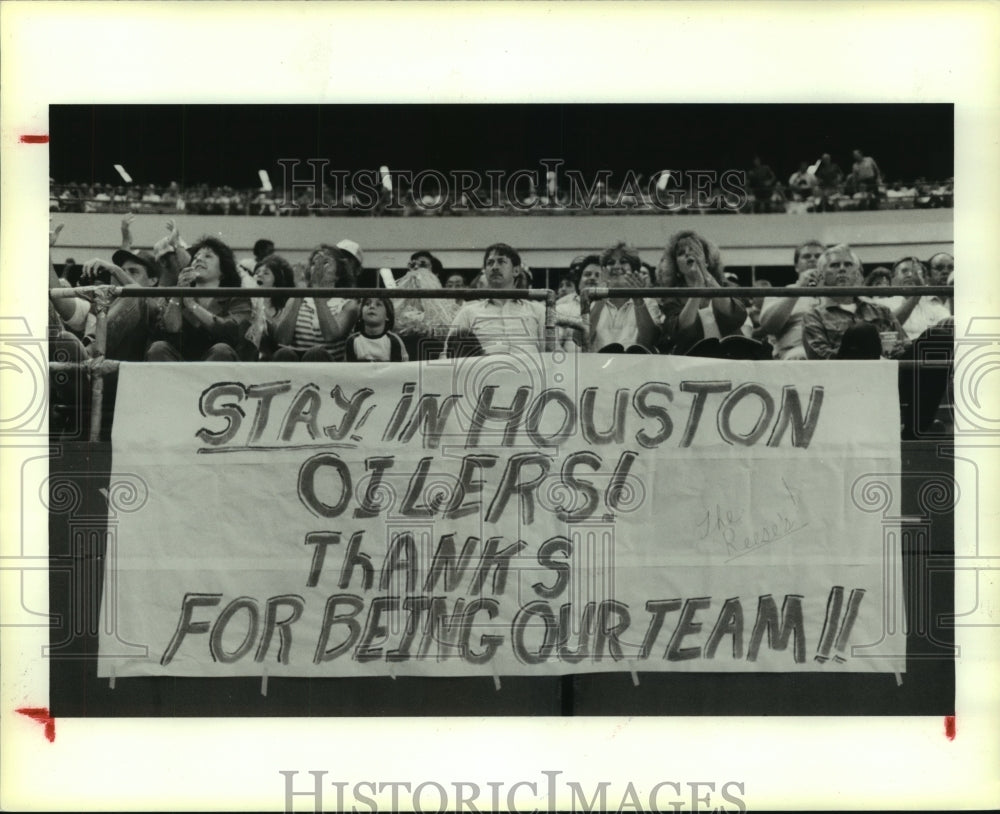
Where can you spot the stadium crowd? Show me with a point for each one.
(403, 327)
(820, 187)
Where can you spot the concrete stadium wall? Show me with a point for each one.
(545, 241)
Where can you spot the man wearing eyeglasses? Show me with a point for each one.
(942, 267)
(499, 325)
(781, 317)
(942, 272)
(622, 322)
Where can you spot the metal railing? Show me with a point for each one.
(102, 297)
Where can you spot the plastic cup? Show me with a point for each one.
(889, 341)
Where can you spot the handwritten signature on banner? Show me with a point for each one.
(739, 538)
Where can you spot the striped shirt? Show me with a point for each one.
(308, 333)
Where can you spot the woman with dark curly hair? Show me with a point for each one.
(691, 261)
(314, 329)
(203, 328)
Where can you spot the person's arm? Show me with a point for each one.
(400, 351)
(284, 323)
(774, 314)
(170, 268)
(171, 318)
(905, 308)
(645, 325)
(227, 327)
(173, 310)
(815, 340)
(127, 231)
(729, 312)
(118, 274)
(66, 307)
(335, 327)
(596, 307)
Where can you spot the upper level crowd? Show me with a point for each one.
(820, 187)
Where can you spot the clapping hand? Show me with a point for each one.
(631, 279)
(173, 233)
(127, 230)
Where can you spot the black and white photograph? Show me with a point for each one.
(585, 423)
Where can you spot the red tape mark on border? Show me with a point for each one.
(949, 727)
(41, 714)
(43, 139)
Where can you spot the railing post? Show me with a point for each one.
(550, 320)
(103, 297)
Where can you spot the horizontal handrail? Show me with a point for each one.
(599, 292)
(753, 292)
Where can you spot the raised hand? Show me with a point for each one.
(173, 233)
(92, 268)
(187, 277)
(809, 278)
(631, 279)
(54, 234)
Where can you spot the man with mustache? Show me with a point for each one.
(500, 325)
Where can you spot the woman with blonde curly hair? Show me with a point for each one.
(691, 261)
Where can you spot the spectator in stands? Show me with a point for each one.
(314, 329)
(131, 321)
(619, 323)
(69, 392)
(849, 327)
(423, 259)
(781, 317)
(753, 312)
(373, 339)
(941, 272)
(566, 287)
(71, 272)
(423, 323)
(647, 273)
(455, 279)
(271, 272)
(829, 177)
(878, 277)
(203, 328)
(262, 248)
(691, 261)
(354, 257)
(941, 266)
(584, 273)
(498, 325)
(866, 178)
(274, 271)
(917, 313)
(802, 183)
(760, 181)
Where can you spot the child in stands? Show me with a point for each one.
(373, 340)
